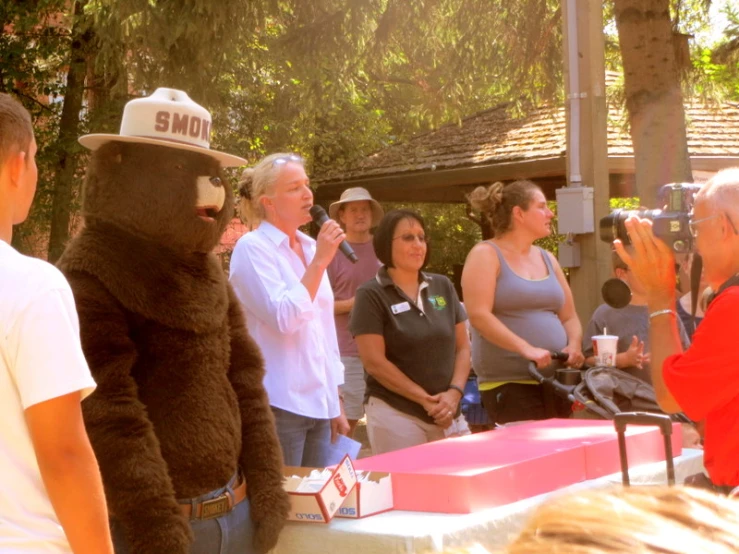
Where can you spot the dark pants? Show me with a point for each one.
(516, 402)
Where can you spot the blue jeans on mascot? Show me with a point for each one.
(230, 533)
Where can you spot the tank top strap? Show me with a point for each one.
(547, 261)
(504, 267)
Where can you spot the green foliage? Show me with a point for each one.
(31, 59)
(333, 80)
(721, 64)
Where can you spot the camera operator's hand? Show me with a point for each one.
(653, 263)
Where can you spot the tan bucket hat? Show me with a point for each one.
(357, 194)
(166, 118)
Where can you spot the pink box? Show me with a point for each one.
(472, 473)
(643, 444)
(465, 474)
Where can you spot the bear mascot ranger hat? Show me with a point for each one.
(180, 421)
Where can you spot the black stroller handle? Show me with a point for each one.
(564, 390)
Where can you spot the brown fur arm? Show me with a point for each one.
(261, 456)
(137, 485)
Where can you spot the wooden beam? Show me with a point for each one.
(625, 164)
(507, 171)
(595, 257)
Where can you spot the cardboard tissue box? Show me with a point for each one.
(317, 494)
(373, 494)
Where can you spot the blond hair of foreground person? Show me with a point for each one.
(637, 520)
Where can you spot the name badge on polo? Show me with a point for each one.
(400, 308)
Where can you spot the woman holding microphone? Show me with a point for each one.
(279, 276)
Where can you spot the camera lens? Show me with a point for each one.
(612, 226)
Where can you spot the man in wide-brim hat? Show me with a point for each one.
(358, 213)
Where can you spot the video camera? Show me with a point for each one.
(670, 224)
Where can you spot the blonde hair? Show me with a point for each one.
(496, 202)
(636, 520)
(256, 182)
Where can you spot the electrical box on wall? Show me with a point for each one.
(575, 210)
(568, 254)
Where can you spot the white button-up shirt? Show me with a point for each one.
(297, 336)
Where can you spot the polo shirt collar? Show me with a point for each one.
(384, 279)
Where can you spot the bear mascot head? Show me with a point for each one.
(178, 199)
(180, 421)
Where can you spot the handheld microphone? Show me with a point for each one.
(320, 217)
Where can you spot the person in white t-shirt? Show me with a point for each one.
(51, 493)
(279, 276)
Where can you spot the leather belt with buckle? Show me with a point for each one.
(218, 506)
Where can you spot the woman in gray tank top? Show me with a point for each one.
(519, 302)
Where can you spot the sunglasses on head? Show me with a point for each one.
(282, 160)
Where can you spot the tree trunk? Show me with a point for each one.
(66, 146)
(654, 98)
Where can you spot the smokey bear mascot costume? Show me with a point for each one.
(180, 421)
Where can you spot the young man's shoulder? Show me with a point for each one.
(628, 311)
(27, 276)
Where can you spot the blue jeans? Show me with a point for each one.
(305, 441)
(229, 534)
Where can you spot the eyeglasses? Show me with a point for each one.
(423, 239)
(693, 224)
(284, 159)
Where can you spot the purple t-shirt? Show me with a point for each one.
(345, 278)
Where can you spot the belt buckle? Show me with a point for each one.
(215, 507)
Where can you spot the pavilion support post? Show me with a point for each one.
(589, 61)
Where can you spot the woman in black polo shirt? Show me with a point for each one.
(410, 331)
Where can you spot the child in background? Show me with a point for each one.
(630, 324)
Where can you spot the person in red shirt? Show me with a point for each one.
(703, 381)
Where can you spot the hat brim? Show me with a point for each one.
(377, 211)
(93, 142)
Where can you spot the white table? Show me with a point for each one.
(398, 532)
